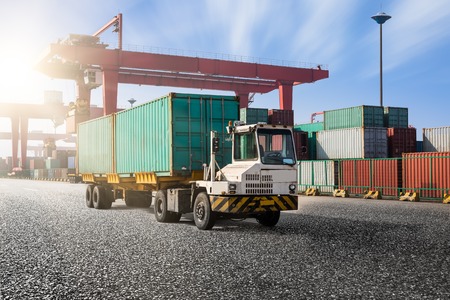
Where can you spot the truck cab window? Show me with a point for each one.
(245, 146)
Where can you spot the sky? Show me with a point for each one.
(338, 34)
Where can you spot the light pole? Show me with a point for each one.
(380, 18)
(132, 101)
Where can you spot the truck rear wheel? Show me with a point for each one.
(100, 199)
(89, 192)
(269, 218)
(204, 217)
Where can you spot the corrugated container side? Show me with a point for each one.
(436, 139)
(427, 172)
(359, 176)
(401, 140)
(95, 146)
(352, 143)
(354, 176)
(386, 176)
(254, 115)
(321, 174)
(208, 112)
(143, 138)
(281, 117)
(396, 117)
(310, 127)
(171, 135)
(301, 145)
(358, 116)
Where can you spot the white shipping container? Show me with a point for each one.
(319, 174)
(358, 142)
(436, 139)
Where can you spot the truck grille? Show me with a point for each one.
(259, 188)
(266, 178)
(251, 177)
(255, 177)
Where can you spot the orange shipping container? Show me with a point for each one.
(427, 173)
(360, 175)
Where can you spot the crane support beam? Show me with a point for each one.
(63, 60)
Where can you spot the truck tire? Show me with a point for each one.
(161, 212)
(89, 192)
(100, 199)
(129, 201)
(204, 217)
(269, 218)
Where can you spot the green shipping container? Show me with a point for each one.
(310, 127)
(170, 135)
(254, 115)
(396, 117)
(95, 145)
(358, 116)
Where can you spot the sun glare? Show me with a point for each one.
(19, 82)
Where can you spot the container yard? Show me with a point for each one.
(359, 160)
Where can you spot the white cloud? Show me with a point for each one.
(323, 29)
(416, 27)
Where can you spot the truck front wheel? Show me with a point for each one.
(269, 218)
(204, 218)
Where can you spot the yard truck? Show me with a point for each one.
(186, 153)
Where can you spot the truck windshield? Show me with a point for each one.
(276, 146)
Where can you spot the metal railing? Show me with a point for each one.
(427, 175)
(217, 56)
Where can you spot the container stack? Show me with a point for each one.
(281, 117)
(311, 129)
(436, 139)
(254, 115)
(355, 132)
(301, 145)
(361, 132)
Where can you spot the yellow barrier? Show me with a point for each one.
(373, 195)
(340, 193)
(312, 192)
(409, 196)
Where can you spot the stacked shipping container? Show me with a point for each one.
(356, 142)
(401, 140)
(436, 139)
(254, 115)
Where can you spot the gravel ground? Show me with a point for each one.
(53, 247)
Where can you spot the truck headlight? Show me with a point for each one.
(292, 188)
(232, 188)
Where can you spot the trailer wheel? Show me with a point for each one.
(269, 218)
(161, 212)
(89, 192)
(204, 218)
(100, 199)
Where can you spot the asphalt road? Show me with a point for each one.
(53, 247)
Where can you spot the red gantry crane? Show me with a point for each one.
(90, 63)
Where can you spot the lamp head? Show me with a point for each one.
(381, 17)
